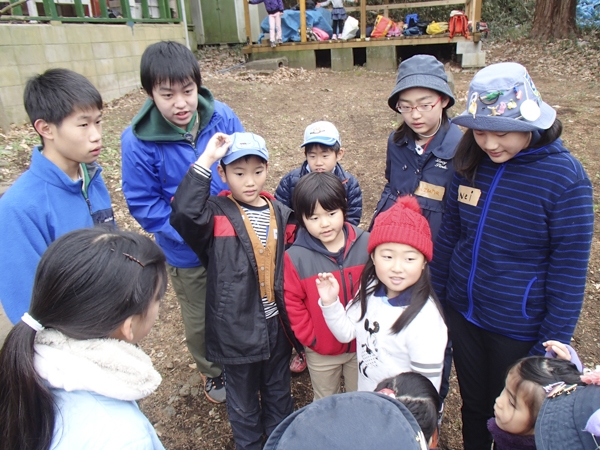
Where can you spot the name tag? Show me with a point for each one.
(431, 191)
(468, 195)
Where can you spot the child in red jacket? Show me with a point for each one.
(325, 242)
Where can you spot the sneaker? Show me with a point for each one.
(279, 42)
(273, 44)
(214, 389)
(298, 363)
(334, 37)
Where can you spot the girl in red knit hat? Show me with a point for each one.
(396, 318)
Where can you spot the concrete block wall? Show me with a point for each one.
(109, 55)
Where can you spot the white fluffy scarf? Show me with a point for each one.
(109, 367)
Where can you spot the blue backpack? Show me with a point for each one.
(411, 20)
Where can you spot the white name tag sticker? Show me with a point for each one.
(431, 191)
(468, 195)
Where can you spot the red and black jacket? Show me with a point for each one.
(303, 261)
(236, 326)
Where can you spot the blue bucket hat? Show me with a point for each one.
(567, 420)
(349, 420)
(502, 97)
(421, 71)
(245, 144)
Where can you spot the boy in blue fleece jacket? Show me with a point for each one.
(62, 190)
(165, 138)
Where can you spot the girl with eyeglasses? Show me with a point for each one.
(420, 151)
(512, 253)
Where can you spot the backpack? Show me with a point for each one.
(411, 20)
(382, 26)
(458, 24)
(437, 27)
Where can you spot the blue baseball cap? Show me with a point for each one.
(321, 133)
(245, 144)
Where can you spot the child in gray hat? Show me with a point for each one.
(512, 252)
(420, 151)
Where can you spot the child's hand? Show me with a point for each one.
(215, 149)
(318, 5)
(328, 288)
(560, 349)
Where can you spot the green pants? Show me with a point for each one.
(190, 288)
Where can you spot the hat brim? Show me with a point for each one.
(420, 81)
(320, 140)
(507, 124)
(228, 159)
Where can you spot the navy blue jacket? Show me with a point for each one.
(213, 227)
(515, 264)
(285, 190)
(405, 169)
(272, 6)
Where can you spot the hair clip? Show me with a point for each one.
(550, 388)
(134, 259)
(555, 389)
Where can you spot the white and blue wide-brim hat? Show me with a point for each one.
(502, 97)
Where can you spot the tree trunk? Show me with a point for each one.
(554, 19)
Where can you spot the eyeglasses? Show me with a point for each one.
(420, 108)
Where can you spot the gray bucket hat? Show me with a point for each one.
(502, 97)
(349, 420)
(421, 71)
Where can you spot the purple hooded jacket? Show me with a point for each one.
(272, 6)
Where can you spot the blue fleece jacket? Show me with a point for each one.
(155, 160)
(42, 205)
(515, 263)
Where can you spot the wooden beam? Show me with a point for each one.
(363, 19)
(357, 43)
(409, 5)
(248, 23)
(302, 21)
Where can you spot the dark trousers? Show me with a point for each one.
(338, 25)
(481, 360)
(259, 394)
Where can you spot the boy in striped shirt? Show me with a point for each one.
(240, 237)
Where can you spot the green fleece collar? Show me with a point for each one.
(150, 125)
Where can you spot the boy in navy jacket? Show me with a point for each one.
(164, 139)
(62, 190)
(323, 151)
(240, 238)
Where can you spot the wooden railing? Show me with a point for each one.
(472, 9)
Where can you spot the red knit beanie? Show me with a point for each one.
(403, 223)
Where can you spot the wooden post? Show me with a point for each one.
(302, 21)
(363, 19)
(386, 12)
(248, 23)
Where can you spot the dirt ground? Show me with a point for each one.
(279, 107)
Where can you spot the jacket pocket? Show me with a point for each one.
(224, 300)
(526, 297)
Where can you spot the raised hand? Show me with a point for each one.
(328, 288)
(215, 149)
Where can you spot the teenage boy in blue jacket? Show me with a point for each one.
(241, 237)
(165, 138)
(62, 190)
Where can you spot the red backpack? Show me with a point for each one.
(458, 24)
